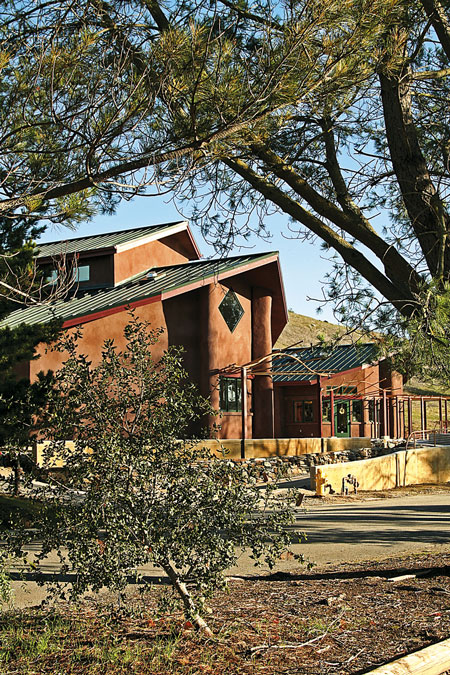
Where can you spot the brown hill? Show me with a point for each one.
(304, 330)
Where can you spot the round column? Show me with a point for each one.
(261, 346)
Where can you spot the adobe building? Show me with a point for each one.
(347, 391)
(225, 313)
(222, 312)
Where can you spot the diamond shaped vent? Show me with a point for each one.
(231, 310)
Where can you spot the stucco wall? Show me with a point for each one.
(94, 333)
(414, 467)
(282, 447)
(169, 251)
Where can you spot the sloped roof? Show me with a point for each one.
(157, 283)
(323, 361)
(101, 241)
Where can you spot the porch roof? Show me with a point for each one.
(320, 360)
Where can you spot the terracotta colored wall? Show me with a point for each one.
(183, 317)
(220, 348)
(101, 271)
(293, 429)
(168, 251)
(365, 380)
(263, 401)
(96, 332)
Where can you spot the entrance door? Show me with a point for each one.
(342, 418)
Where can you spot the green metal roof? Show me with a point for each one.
(153, 282)
(337, 360)
(99, 241)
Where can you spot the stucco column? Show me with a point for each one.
(210, 349)
(261, 345)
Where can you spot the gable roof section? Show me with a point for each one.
(337, 360)
(156, 284)
(112, 240)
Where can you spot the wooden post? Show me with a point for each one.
(332, 411)
(319, 399)
(243, 410)
(410, 419)
(425, 413)
(446, 417)
(385, 415)
(440, 413)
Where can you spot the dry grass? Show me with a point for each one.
(305, 330)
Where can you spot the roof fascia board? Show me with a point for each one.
(296, 383)
(167, 232)
(70, 323)
(91, 253)
(283, 293)
(193, 242)
(363, 366)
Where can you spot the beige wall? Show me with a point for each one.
(412, 467)
(283, 447)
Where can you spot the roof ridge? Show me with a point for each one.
(106, 234)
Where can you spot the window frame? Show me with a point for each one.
(299, 405)
(224, 402)
(360, 418)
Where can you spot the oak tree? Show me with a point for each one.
(139, 487)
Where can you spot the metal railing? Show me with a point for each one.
(427, 435)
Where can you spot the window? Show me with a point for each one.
(371, 410)
(82, 273)
(52, 277)
(303, 411)
(230, 394)
(357, 411)
(231, 310)
(326, 411)
(344, 390)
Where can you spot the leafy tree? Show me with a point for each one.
(329, 112)
(149, 493)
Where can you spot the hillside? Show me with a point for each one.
(305, 330)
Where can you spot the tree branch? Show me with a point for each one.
(404, 303)
(352, 221)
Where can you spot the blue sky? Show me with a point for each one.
(302, 264)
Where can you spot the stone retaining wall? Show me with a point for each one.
(283, 447)
(265, 469)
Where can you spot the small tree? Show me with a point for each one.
(149, 493)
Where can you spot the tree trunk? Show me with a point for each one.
(426, 211)
(191, 611)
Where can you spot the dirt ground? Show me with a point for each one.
(342, 619)
(439, 488)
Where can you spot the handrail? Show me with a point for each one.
(413, 435)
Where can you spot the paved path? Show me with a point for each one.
(341, 532)
(373, 529)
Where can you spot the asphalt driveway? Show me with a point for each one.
(341, 532)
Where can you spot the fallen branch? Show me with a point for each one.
(296, 645)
